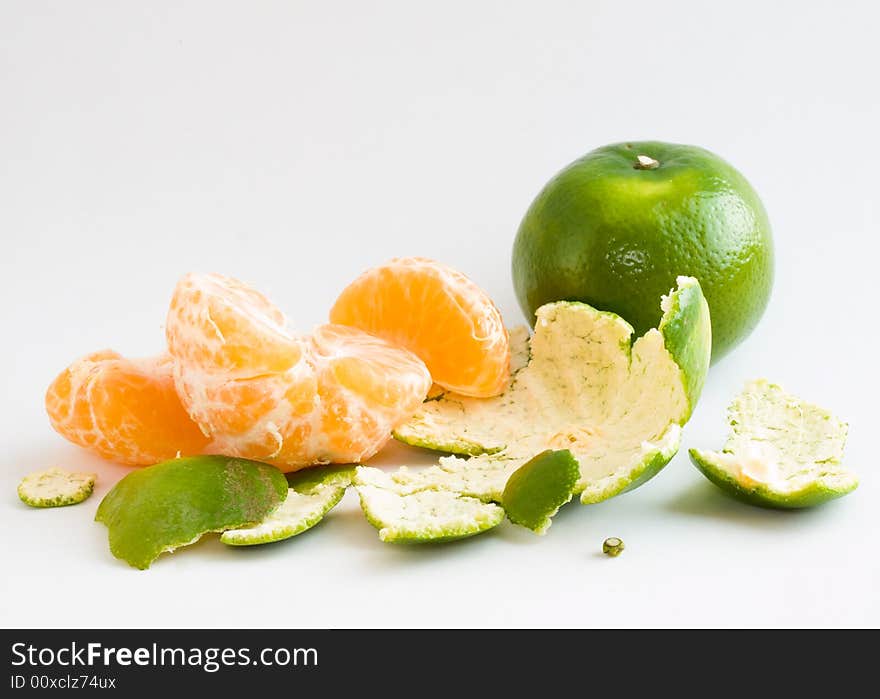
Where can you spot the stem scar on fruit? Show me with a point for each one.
(646, 162)
(612, 546)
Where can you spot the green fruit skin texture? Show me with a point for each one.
(761, 496)
(171, 504)
(615, 237)
(538, 488)
(687, 334)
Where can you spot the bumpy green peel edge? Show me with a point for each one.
(651, 464)
(686, 331)
(816, 493)
(312, 493)
(160, 508)
(687, 335)
(421, 516)
(537, 489)
(55, 487)
(829, 433)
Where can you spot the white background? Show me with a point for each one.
(295, 144)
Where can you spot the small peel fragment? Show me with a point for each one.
(537, 489)
(160, 508)
(311, 494)
(579, 384)
(55, 487)
(782, 452)
(412, 515)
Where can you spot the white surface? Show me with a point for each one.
(295, 144)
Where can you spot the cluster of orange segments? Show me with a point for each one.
(236, 381)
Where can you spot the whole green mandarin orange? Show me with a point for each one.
(615, 228)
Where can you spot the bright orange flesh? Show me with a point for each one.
(438, 314)
(125, 410)
(263, 393)
(221, 324)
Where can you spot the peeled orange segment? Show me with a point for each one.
(366, 388)
(263, 393)
(220, 323)
(268, 417)
(437, 313)
(126, 410)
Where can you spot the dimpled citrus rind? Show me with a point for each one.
(160, 508)
(531, 493)
(298, 513)
(654, 458)
(686, 327)
(716, 470)
(483, 479)
(617, 405)
(610, 234)
(312, 494)
(421, 516)
(782, 452)
(311, 480)
(536, 490)
(55, 487)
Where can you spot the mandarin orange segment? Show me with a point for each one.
(216, 322)
(256, 417)
(126, 410)
(366, 385)
(438, 314)
(263, 393)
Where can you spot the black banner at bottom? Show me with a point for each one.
(131, 663)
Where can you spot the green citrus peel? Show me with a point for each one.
(414, 515)
(312, 493)
(613, 228)
(615, 404)
(782, 452)
(55, 487)
(172, 504)
(538, 488)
